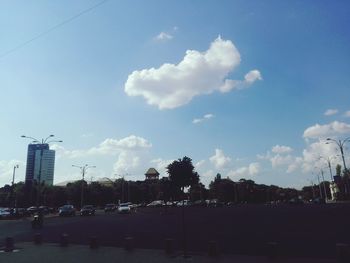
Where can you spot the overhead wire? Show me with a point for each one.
(42, 34)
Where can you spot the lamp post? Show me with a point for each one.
(329, 160)
(83, 170)
(340, 144)
(319, 183)
(13, 185)
(41, 142)
(122, 176)
(313, 190)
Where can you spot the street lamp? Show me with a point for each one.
(83, 170)
(122, 176)
(329, 160)
(340, 144)
(13, 185)
(319, 183)
(41, 142)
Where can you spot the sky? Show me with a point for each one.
(248, 89)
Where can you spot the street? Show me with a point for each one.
(305, 230)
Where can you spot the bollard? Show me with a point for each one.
(128, 243)
(93, 242)
(9, 244)
(342, 252)
(213, 249)
(64, 240)
(38, 239)
(169, 246)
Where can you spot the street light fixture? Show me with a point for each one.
(13, 185)
(122, 176)
(329, 160)
(340, 144)
(42, 141)
(83, 170)
(319, 183)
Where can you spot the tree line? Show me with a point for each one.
(182, 183)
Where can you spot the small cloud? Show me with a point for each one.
(330, 112)
(163, 36)
(204, 118)
(281, 149)
(347, 114)
(219, 159)
(87, 135)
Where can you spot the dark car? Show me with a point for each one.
(44, 209)
(66, 210)
(87, 210)
(33, 209)
(110, 208)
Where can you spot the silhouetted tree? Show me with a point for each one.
(181, 173)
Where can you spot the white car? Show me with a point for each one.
(124, 208)
(5, 212)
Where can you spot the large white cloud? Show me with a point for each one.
(335, 128)
(174, 85)
(219, 159)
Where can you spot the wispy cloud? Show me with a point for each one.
(330, 112)
(204, 118)
(163, 36)
(347, 114)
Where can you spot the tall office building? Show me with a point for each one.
(40, 153)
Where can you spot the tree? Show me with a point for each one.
(181, 173)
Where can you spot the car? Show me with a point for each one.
(32, 210)
(87, 210)
(124, 208)
(66, 210)
(110, 208)
(5, 213)
(44, 209)
(184, 203)
(156, 203)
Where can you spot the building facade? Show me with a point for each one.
(40, 158)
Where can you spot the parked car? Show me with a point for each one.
(124, 208)
(156, 203)
(87, 210)
(199, 203)
(184, 203)
(33, 209)
(44, 209)
(110, 208)
(5, 213)
(66, 210)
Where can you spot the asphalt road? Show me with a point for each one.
(306, 230)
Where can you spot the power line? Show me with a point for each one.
(42, 34)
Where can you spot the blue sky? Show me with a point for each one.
(248, 89)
